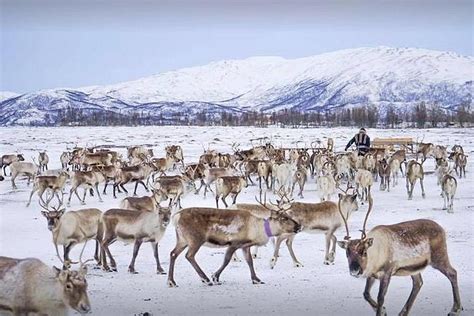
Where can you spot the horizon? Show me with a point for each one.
(132, 40)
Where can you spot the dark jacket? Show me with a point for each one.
(362, 141)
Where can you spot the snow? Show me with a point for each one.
(312, 289)
(366, 67)
(4, 95)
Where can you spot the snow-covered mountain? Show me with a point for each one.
(353, 77)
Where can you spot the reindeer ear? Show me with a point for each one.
(340, 195)
(354, 197)
(61, 212)
(63, 275)
(369, 242)
(44, 213)
(342, 243)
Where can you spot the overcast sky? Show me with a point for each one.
(50, 44)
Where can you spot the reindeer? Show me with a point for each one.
(144, 203)
(425, 149)
(28, 169)
(326, 186)
(300, 177)
(460, 162)
(137, 173)
(133, 226)
(7, 160)
(414, 172)
(162, 165)
(394, 165)
(440, 152)
(401, 156)
(109, 173)
(264, 171)
(234, 229)
(324, 217)
(139, 152)
(449, 185)
(283, 174)
(400, 249)
(43, 160)
(364, 181)
(210, 175)
(29, 286)
(87, 180)
(72, 228)
(226, 185)
(176, 152)
(384, 173)
(65, 158)
(54, 183)
(174, 188)
(457, 149)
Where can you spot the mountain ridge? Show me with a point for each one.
(346, 78)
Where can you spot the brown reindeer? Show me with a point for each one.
(234, 229)
(226, 185)
(402, 249)
(29, 286)
(54, 183)
(321, 217)
(7, 160)
(72, 228)
(414, 172)
(43, 160)
(132, 226)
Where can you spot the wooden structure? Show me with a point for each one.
(394, 143)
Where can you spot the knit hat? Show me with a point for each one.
(362, 130)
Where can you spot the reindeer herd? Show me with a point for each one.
(402, 249)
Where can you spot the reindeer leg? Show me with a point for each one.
(234, 200)
(248, 258)
(135, 191)
(422, 189)
(228, 256)
(159, 269)
(368, 285)
(417, 283)
(190, 255)
(276, 250)
(104, 192)
(442, 264)
(217, 201)
(122, 185)
(84, 197)
(289, 245)
(223, 200)
(66, 250)
(105, 246)
(136, 248)
(97, 191)
(179, 248)
(144, 185)
(327, 259)
(383, 287)
(31, 195)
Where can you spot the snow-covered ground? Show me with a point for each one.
(312, 289)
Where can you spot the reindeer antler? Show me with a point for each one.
(347, 237)
(371, 203)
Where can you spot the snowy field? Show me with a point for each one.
(312, 289)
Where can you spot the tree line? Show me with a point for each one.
(421, 115)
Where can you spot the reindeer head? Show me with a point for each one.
(165, 215)
(53, 216)
(282, 223)
(356, 249)
(74, 286)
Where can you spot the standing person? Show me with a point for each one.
(362, 141)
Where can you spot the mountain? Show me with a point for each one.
(346, 78)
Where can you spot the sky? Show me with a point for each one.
(50, 44)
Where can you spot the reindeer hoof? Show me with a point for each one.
(161, 272)
(207, 282)
(215, 280)
(298, 265)
(257, 281)
(328, 262)
(255, 256)
(114, 269)
(172, 283)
